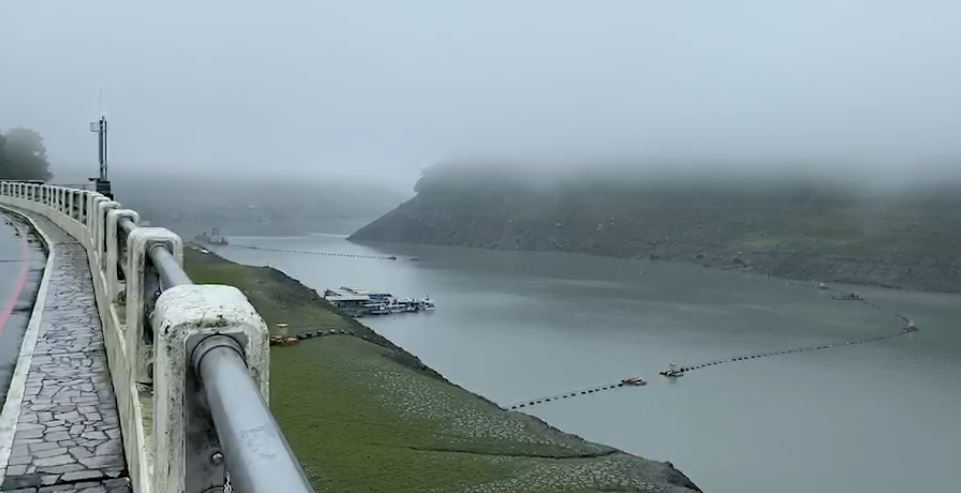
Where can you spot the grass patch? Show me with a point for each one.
(364, 415)
(277, 297)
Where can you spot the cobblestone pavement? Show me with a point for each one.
(118, 485)
(68, 433)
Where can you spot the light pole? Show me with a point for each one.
(101, 183)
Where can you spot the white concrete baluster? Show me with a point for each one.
(141, 285)
(184, 316)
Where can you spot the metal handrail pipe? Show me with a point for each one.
(171, 273)
(126, 225)
(256, 454)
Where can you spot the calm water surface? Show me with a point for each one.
(883, 417)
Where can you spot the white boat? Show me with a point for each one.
(672, 371)
(635, 381)
(365, 302)
(380, 311)
(426, 305)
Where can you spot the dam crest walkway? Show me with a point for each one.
(67, 432)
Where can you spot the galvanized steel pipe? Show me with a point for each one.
(257, 456)
(171, 273)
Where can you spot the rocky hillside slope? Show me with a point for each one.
(792, 228)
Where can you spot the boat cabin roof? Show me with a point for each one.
(348, 298)
(369, 292)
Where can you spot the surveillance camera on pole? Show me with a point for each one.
(101, 183)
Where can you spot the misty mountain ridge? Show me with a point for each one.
(783, 221)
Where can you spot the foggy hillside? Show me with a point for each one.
(190, 204)
(801, 226)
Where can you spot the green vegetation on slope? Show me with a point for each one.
(365, 416)
(804, 229)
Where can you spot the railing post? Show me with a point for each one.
(186, 439)
(113, 249)
(142, 288)
(85, 198)
(101, 205)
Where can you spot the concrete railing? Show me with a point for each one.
(189, 363)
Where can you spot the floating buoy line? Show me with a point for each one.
(566, 395)
(681, 370)
(315, 252)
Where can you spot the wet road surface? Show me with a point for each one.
(22, 259)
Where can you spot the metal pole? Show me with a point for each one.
(103, 156)
(171, 274)
(257, 456)
(100, 146)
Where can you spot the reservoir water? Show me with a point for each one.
(881, 417)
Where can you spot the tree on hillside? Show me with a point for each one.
(23, 156)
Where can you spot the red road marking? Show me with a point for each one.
(19, 284)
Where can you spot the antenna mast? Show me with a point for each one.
(102, 182)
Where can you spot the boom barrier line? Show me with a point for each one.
(733, 359)
(314, 252)
(565, 395)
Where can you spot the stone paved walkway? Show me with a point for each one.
(68, 433)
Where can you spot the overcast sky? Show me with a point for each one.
(388, 87)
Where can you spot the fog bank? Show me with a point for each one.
(383, 88)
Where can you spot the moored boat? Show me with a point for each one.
(359, 302)
(671, 371)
